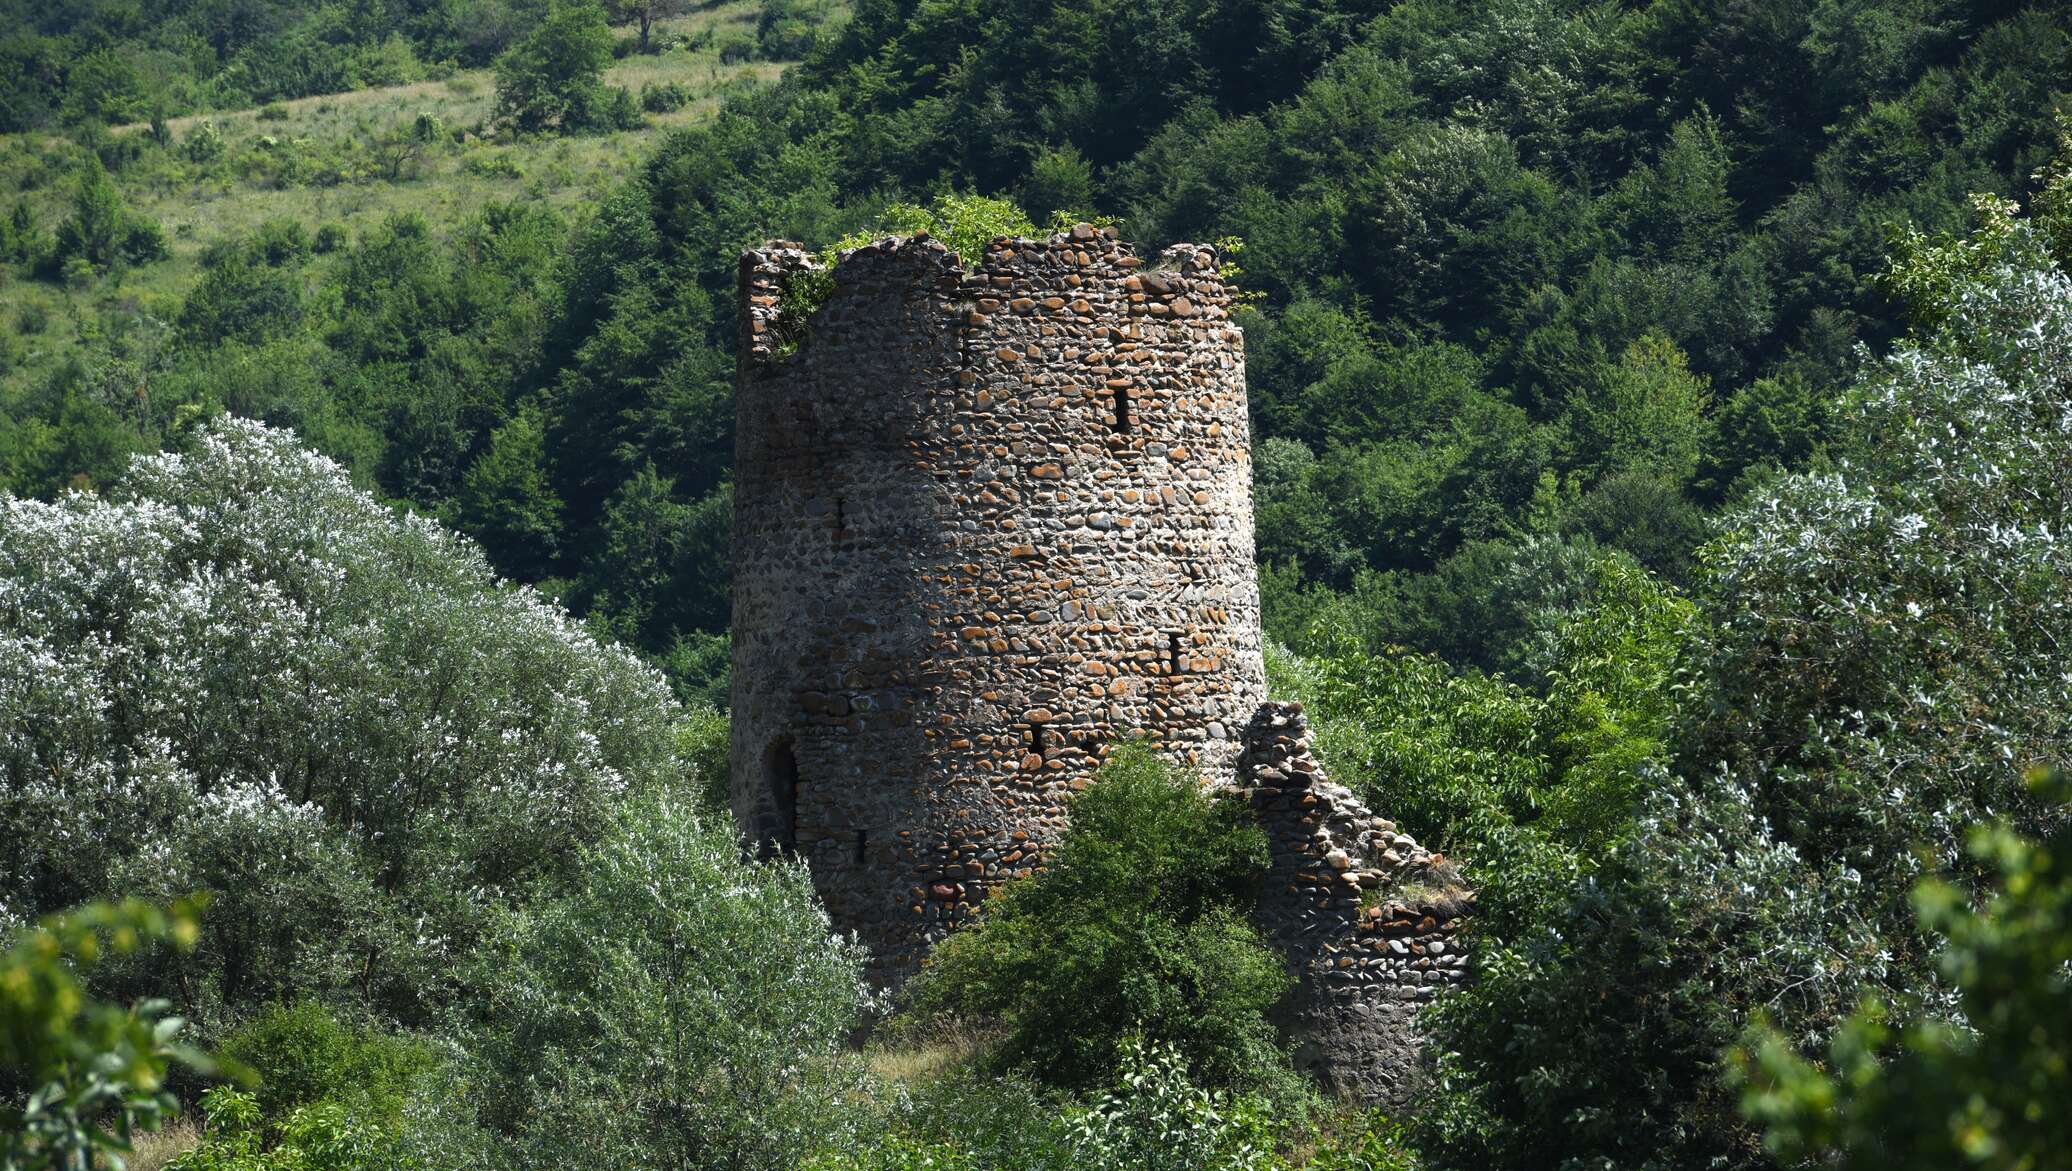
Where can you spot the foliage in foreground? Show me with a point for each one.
(1139, 929)
(1883, 657)
(679, 1006)
(79, 1077)
(304, 1053)
(322, 1136)
(1908, 1088)
(330, 1095)
(1157, 1119)
(237, 673)
(1152, 1117)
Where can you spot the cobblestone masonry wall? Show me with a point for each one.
(1367, 918)
(987, 523)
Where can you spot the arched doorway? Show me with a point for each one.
(777, 830)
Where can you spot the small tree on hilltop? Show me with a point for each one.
(554, 78)
(101, 232)
(647, 12)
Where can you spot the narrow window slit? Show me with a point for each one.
(841, 513)
(1036, 739)
(1173, 652)
(1122, 410)
(862, 837)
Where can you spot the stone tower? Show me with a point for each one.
(987, 523)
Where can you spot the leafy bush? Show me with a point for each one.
(492, 164)
(20, 239)
(79, 1077)
(664, 98)
(1906, 1086)
(1138, 928)
(1883, 659)
(619, 111)
(1156, 1119)
(281, 241)
(1363, 1140)
(679, 1006)
(551, 79)
(785, 29)
(303, 1054)
(143, 241)
(323, 1136)
(1152, 1116)
(962, 1121)
(241, 300)
(236, 672)
(735, 46)
(204, 143)
(101, 231)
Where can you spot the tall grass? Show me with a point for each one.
(152, 1151)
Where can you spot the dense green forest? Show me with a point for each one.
(1538, 281)
(1660, 468)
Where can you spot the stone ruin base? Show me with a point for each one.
(1367, 919)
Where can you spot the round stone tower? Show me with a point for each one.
(986, 525)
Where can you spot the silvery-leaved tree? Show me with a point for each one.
(1892, 634)
(1884, 658)
(236, 672)
(678, 1005)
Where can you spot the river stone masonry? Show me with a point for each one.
(1367, 919)
(987, 523)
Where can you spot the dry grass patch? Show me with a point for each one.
(914, 1054)
(151, 1152)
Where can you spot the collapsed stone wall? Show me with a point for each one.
(1368, 919)
(987, 523)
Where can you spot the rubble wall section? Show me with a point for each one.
(1368, 920)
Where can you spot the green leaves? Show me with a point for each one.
(1137, 928)
(1647, 413)
(1912, 1086)
(551, 79)
(239, 673)
(678, 1006)
(101, 232)
(1880, 650)
(96, 1071)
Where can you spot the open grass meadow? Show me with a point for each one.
(339, 162)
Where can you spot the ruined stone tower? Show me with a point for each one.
(987, 523)
(1367, 920)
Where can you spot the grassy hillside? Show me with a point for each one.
(342, 161)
